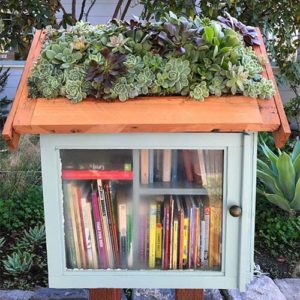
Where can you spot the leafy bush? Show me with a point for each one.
(175, 56)
(18, 263)
(277, 232)
(281, 178)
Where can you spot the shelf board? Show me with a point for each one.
(172, 188)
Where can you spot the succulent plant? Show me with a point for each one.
(123, 89)
(216, 86)
(62, 54)
(153, 61)
(248, 32)
(144, 80)
(263, 89)
(175, 75)
(18, 263)
(73, 89)
(236, 78)
(281, 177)
(199, 91)
(107, 72)
(134, 63)
(75, 73)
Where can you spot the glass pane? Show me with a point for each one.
(97, 188)
(180, 220)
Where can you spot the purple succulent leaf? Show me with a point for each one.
(181, 50)
(198, 41)
(170, 28)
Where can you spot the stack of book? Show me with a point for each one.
(173, 166)
(97, 220)
(175, 233)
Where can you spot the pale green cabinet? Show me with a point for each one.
(177, 190)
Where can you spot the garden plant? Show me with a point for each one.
(194, 57)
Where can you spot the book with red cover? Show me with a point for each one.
(99, 232)
(187, 160)
(96, 174)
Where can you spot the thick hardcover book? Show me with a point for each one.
(187, 160)
(152, 234)
(69, 235)
(105, 222)
(167, 164)
(144, 161)
(101, 166)
(96, 174)
(215, 236)
(102, 254)
(158, 166)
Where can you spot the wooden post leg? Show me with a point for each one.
(189, 294)
(105, 294)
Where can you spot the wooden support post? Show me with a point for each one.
(105, 294)
(189, 294)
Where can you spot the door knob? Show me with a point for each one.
(235, 211)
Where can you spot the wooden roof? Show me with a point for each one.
(143, 114)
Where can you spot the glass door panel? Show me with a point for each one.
(180, 220)
(97, 197)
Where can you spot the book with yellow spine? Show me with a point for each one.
(175, 243)
(185, 241)
(158, 237)
(152, 234)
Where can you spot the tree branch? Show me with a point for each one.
(82, 10)
(117, 9)
(89, 9)
(74, 10)
(61, 7)
(125, 9)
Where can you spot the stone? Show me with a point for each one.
(153, 294)
(290, 287)
(260, 288)
(212, 294)
(60, 294)
(15, 295)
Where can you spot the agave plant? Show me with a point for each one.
(281, 178)
(18, 263)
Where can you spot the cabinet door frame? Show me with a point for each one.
(238, 189)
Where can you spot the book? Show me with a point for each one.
(207, 228)
(96, 174)
(158, 166)
(152, 234)
(72, 193)
(188, 165)
(102, 254)
(166, 235)
(171, 232)
(144, 166)
(129, 248)
(180, 216)
(71, 261)
(175, 243)
(105, 223)
(85, 215)
(167, 163)
(111, 222)
(151, 166)
(102, 166)
(174, 168)
(122, 226)
(201, 167)
(158, 233)
(143, 220)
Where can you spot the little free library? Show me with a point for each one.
(156, 190)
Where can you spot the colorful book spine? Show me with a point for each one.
(167, 164)
(144, 162)
(175, 244)
(158, 235)
(174, 168)
(171, 232)
(69, 235)
(122, 224)
(105, 222)
(185, 243)
(166, 235)
(152, 234)
(187, 165)
(206, 245)
(99, 232)
(129, 235)
(151, 166)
